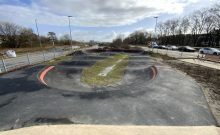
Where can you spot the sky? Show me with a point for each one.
(99, 20)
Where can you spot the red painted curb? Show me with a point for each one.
(155, 72)
(43, 74)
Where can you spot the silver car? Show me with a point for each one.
(207, 50)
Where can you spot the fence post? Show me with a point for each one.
(44, 56)
(54, 55)
(29, 62)
(3, 62)
(181, 53)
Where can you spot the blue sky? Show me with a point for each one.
(100, 20)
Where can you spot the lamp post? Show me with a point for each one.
(38, 33)
(70, 31)
(155, 31)
(156, 17)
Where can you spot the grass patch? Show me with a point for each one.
(58, 60)
(91, 76)
(158, 55)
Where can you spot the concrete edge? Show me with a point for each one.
(113, 130)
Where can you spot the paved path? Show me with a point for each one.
(170, 99)
(186, 57)
(203, 63)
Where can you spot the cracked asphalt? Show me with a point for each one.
(170, 99)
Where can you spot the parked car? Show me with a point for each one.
(208, 50)
(154, 45)
(162, 47)
(172, 47)
(186, 49)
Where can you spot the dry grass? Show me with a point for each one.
(28, 49)
(59, 60)
(200, 73)
(25, 50)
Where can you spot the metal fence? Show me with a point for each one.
(186, 55)
(27, 59)
(175, 53)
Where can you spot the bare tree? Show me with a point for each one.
(52, 37)
(215, 11)
(117, 43)
(201, 26)
(26, 37)
(184, 25)
(9, 32)
(197, 21)
(161, 28)
(209, 23)
(167, 26)
(65, 39)
(173, 26)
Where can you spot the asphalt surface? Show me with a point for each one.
(170, 99)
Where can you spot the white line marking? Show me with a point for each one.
(107, 70)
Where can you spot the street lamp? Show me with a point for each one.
(156, 17)
(155, 31)
(38, 33)
(70, 31)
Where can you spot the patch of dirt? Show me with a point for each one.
(208, 78)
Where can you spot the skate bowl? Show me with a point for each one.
(67, 75)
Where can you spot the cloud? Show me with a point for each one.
(96, 35)
(91, 12)
(99, 14)
(26, 15)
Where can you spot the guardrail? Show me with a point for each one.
(27, 59)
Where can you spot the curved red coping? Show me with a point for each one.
(43, 74)
(155, 72)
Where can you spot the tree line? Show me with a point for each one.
(15, 36)
(201, 28)
(136, 38)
